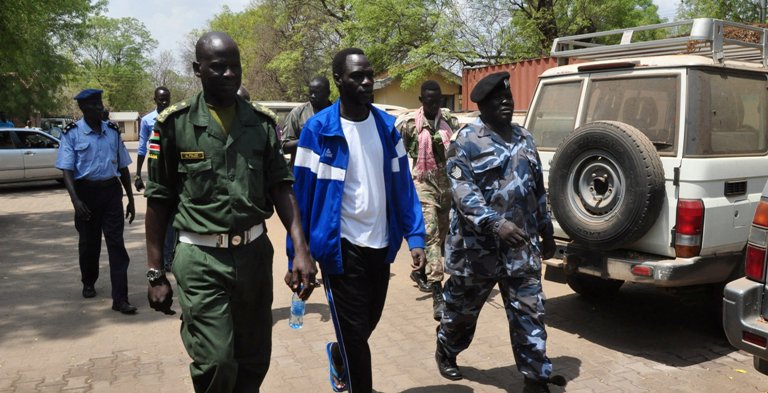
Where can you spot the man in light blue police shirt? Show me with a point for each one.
(95, 163)
(162, 99)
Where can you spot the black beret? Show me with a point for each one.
(489, 84)
(88, 93)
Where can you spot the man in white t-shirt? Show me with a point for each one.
(357, 203)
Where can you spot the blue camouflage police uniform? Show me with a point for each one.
(493, 180)
(96, 159)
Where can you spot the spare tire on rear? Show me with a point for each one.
(606, 185)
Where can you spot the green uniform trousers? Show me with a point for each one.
(226, 301)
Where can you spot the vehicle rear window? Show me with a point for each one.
(726, 114)
(554, 113)
(648, 103)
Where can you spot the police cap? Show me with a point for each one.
(489, 84)
(88, 93)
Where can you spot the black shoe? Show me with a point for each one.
(438, 303)
(124, 307)
(534, 386)
(421, 281)
(89, 291)
(539, 386)
(447, 365)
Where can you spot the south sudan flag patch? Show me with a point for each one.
(154, 145)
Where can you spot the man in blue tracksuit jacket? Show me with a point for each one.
(357, 203)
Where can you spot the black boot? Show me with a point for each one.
(420, 278)
(438, 303)
(447, 365)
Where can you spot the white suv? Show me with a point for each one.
(656, 151)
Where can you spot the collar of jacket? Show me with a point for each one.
(334, 121)
(200, 115)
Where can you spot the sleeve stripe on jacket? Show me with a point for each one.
(309, 159)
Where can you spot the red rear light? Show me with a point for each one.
(689, 227)
(640, 270)
(754, 263)
(754, 339)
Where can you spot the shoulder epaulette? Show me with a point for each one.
(113, 126)
(173, 108)
(264, 110)
(69, 127)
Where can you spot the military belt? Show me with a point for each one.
(222, 240)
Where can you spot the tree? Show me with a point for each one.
(500, 31)
(744, 11)
(114, 56)
(35, 67)
(164, 72)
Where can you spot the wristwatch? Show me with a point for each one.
(155, 275)
(136, 177)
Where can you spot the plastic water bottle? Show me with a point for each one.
(296, 321)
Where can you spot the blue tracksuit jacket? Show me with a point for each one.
(322, 158)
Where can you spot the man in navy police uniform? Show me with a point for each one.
(500, 231)
(95, 165)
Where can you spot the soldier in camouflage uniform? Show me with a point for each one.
(499, 215)
(426, 135)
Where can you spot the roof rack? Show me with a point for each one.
(701, 36)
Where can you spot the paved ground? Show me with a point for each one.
(53, 340)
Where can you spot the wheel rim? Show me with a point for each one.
(595, 186)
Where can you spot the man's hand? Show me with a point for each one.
(81, 210)
(302, 276)
(419, 258)
(130, 210)
(512, 234)
(548, 247)
(138, 183)
(160, 296)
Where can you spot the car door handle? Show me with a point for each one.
(29, 153)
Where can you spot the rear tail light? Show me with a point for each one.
(752, 338)
(754, 261)
(689, 227)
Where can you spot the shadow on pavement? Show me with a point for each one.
(644, 321)
(40, 288)
(506, 378)
(23, 190)
(282, 313)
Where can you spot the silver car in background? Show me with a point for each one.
(28, 154)
(745, 302)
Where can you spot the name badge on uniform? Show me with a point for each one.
(192, 155)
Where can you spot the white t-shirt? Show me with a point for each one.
(364, 204)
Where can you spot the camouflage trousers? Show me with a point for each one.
(524, 303)
(435, 197)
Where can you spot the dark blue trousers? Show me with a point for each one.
(106, 205)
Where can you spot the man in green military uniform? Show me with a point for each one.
(426, 134)
(216, 158)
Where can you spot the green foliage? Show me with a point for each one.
(35, 68)
(285, 43)
(114, 56)
(744, 11)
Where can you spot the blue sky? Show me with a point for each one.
(170, 20)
